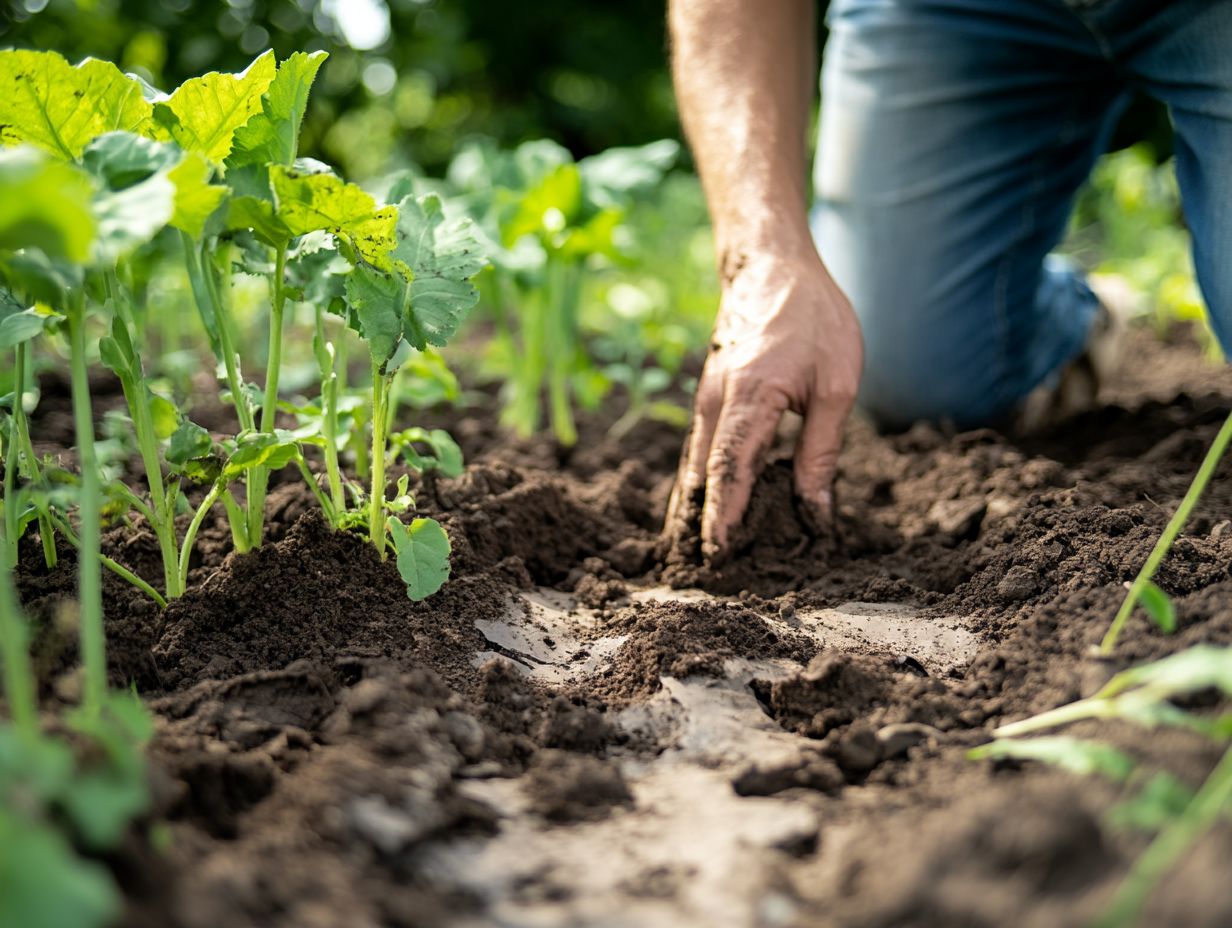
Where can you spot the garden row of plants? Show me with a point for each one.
(138, 226)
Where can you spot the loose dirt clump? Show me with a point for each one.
(679, 639)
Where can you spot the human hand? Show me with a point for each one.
(785, 339)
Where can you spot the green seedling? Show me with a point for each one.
(1143, 696)
(1143, 591)
(550, 221)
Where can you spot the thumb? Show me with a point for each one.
(817, 457)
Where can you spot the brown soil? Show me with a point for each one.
(329, 753)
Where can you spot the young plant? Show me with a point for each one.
(1143, 696)
(417, 299)
(1143, 590)
(554, 219)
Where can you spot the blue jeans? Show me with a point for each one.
(954, 135)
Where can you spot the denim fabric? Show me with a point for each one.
(954, 134)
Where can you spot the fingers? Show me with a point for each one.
(817, 456)
(691, 476)
(744, 432)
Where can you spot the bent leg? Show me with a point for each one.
(953, 137)
(1187, 64)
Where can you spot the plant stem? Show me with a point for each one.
(329, 415)
(259, 476)
(114, 566)
(25, 456)
(89, 565)
(147, 445)
(1207, 805)
(326, 505)
(18, 681)
(563, 308)
(190, 536)
(1173, 528)
(235, 519)
(376, 498)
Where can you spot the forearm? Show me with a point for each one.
(744, 72)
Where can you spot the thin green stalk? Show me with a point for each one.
(236, 520)
(25, 456)
(326, 505)
(18, 681)
(190, 536)
(329, 415)
(1206, 807)
(259, 476)
(1173, 528)
(114, 566)
(529, 374)
(563, 306)
(215, 316)
(10, 492)
(89, 565)
(147, 445)
(376, 499)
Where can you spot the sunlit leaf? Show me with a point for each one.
(195, 197)
(121, 159)
(131, 217)
(441, 256)
(61, 108)
(44, 205)
(325, 202)
(272, 136)
(423, 555)
(204, 113)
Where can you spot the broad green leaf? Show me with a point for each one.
(423, 555)
(249, 212)
(547, 208)
(272, 136)
(204, 113)
(1072, 754)
(60, 108)
(445, 456)
(22, 326)
(189, 442)
(441, 256)
(380, 302)
(44, 884)
(44, 205)
(1159, 607)
(121, 159)
(611, 176)
(261, 449)
(165, 415)
(195, 197)
(323, 202)
(131, 217)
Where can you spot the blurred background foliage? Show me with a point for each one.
(406, 80)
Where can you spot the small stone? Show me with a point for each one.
(858, 750)
(956, 518)
(897, 738)
(1019, 583)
